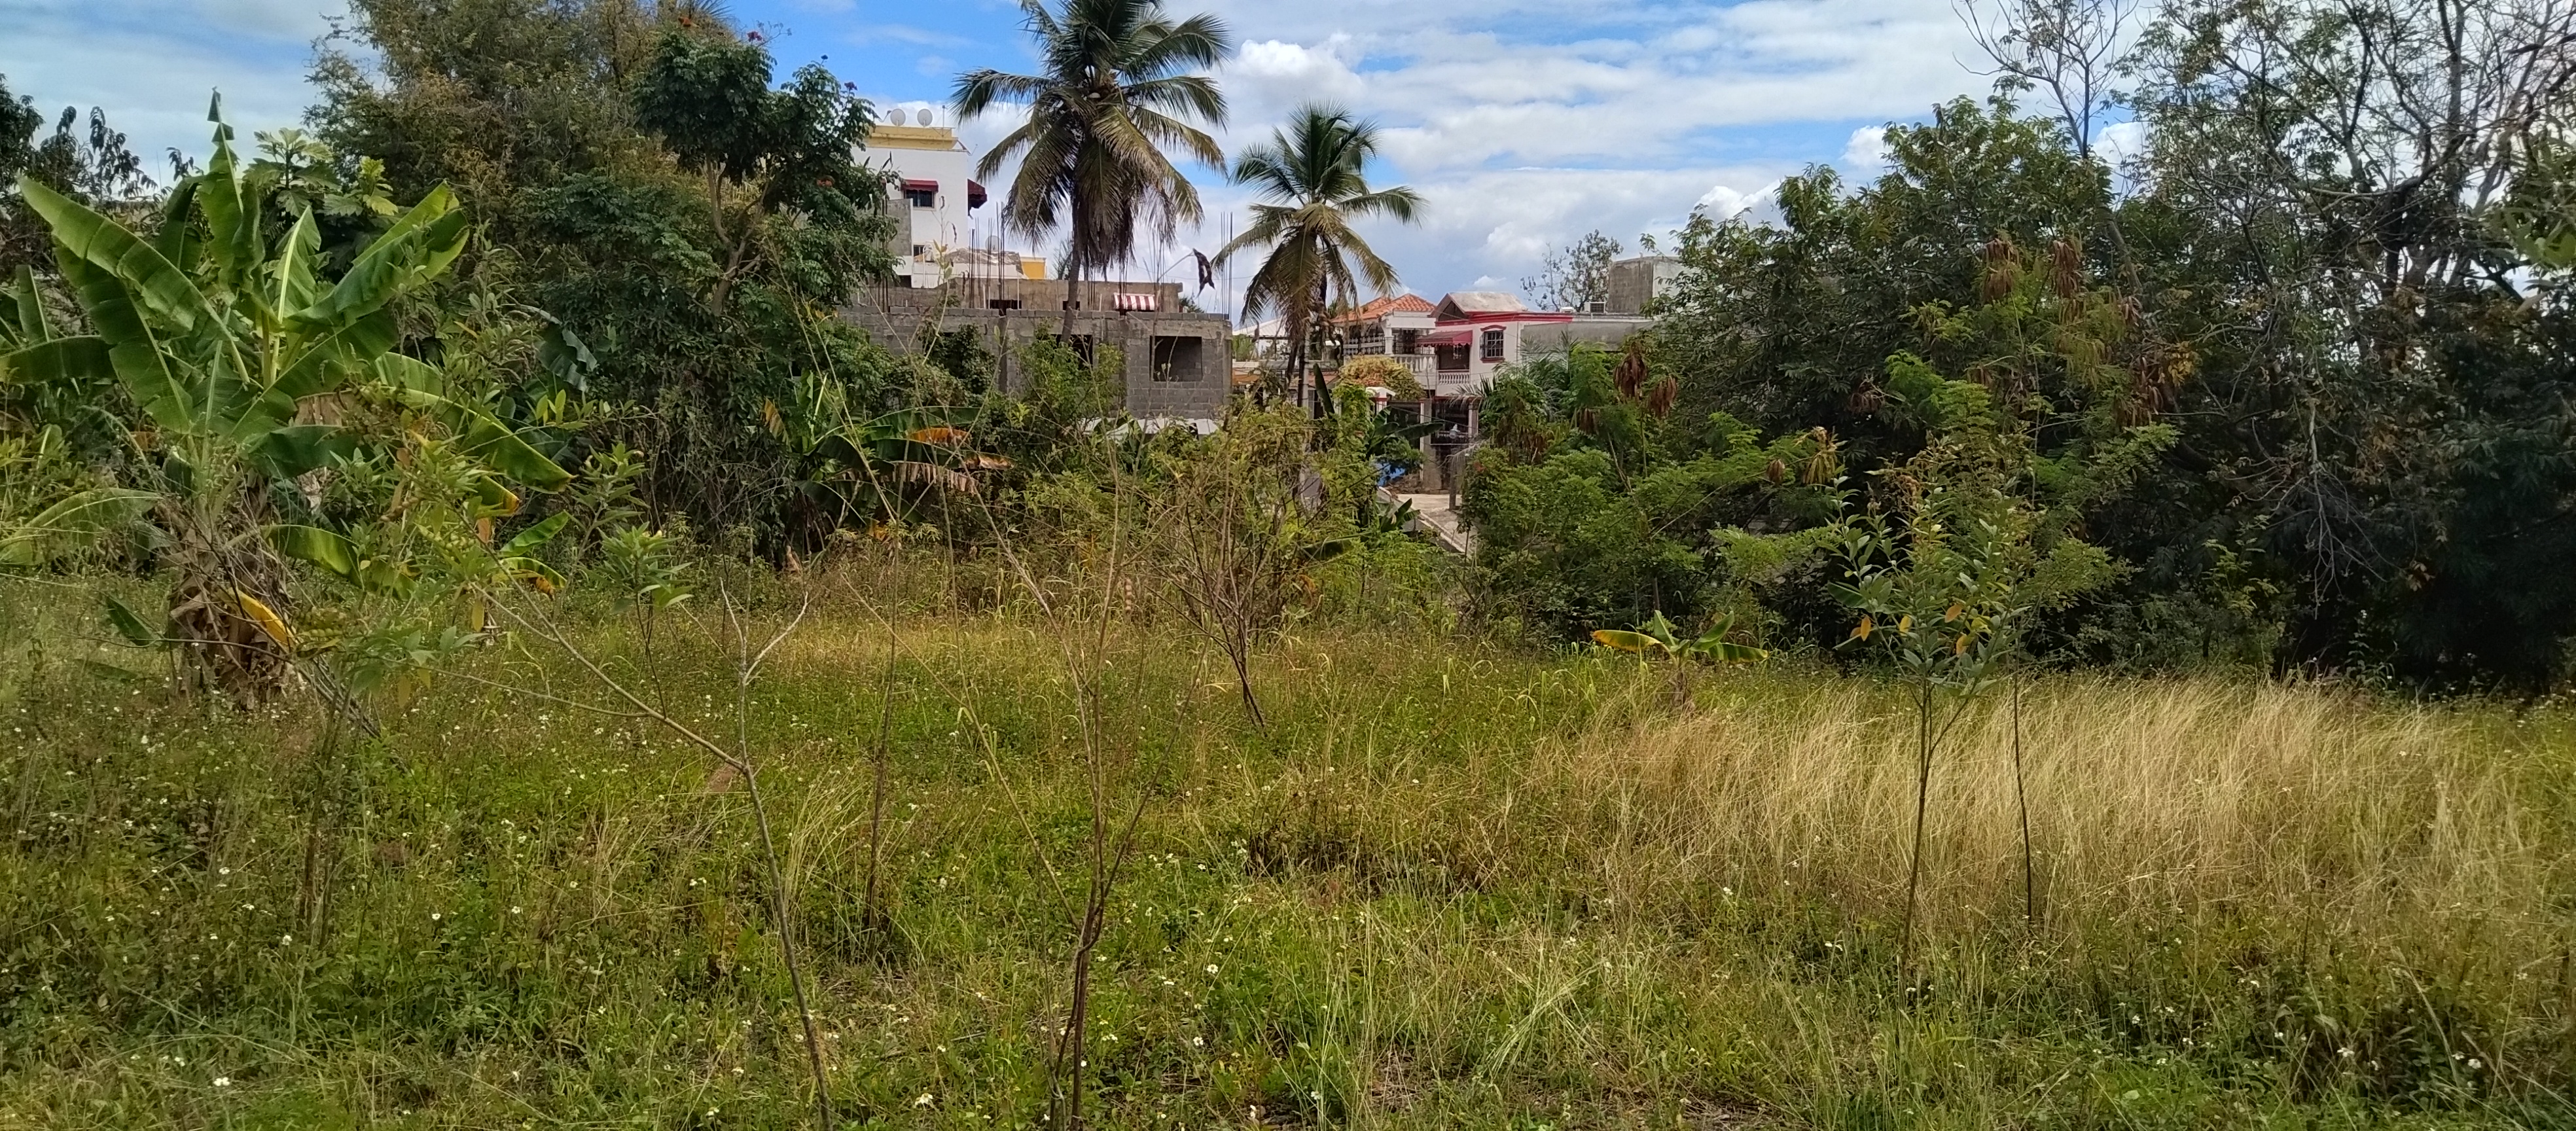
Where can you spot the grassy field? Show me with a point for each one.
(1447, 886)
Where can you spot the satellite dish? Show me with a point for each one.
(923, 117)
(894, 117)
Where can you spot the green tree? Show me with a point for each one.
(1946, 562)
(687, 322)
(1114, 89)
(1313, 180)
(2325, 181)
(707, 96)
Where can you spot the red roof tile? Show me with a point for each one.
(1397, 304)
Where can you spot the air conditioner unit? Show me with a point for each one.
(1596, 307)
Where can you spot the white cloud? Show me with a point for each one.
(1724, 202)
(2120, 142)
(1866, 153)
(290, 19)
(1268, 78)
(1526, 123)
(906, 33)
(153, 66)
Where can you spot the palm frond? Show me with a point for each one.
(977, 92)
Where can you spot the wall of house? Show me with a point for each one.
(1633, 283)
(1177, 363)
(1608, 330)
(922, 235)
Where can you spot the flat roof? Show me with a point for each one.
(915, 137)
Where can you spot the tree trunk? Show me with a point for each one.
(1292, 379)
(1072, 267)
(1239, 652)
(1315, 324)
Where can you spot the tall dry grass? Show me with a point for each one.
(2358, 818)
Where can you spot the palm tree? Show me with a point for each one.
(1116, 84)
(1313, 178)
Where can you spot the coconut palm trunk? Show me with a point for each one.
(1073, 268)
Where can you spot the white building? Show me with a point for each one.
(934, 198)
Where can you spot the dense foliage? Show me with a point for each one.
(638, 180)
(2312, 338)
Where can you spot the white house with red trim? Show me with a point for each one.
(1476, 333)
(1455, 347)
(933, 196)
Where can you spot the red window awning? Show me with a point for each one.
(1446, 338)
(921, 186)
(1127, 301)
(974, 195)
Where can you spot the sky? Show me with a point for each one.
(1523, 123)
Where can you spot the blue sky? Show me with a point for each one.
(1525, 123)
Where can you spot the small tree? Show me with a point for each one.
(1574, 277)
(1228, 529)
(1943, 567)
(707, 95)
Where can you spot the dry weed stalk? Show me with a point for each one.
(1224, 529)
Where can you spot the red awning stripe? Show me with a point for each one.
(1126, 301)
(1446, 338)
(921, 186)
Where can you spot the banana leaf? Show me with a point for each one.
(538, 534)
(82, 234)
(30, 328)
(496, 445)
(70, 524)
(295, 284)
(231, 219)
(177, 240)
(132, 627)
(133, 351)
(285, 453)
(59, 363)
(336, 351)
(1620, 639)
(317, 546)
(417, 247)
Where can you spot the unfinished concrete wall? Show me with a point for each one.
(1176, 363)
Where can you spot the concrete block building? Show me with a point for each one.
(1177, 362)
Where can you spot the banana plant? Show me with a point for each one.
(240, 359)
(1658, 636)
(885, 467)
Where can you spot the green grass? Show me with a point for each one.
(1449, 886)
